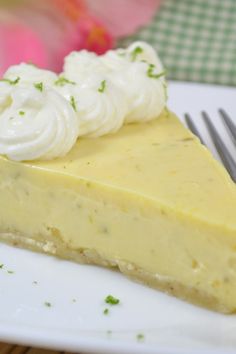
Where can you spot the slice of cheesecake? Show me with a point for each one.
(149, 200)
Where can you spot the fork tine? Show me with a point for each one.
(191, 125)
(229, 123)
(225, 155)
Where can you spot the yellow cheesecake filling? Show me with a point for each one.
(150, 200)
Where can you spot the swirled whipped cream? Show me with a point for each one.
(141, 68)
(145, 104)
(138, 73)
(79, 65)
(28, 73)
(36, 124)
(138, 51)
(42, 114)
(99, 104)
(5, 97)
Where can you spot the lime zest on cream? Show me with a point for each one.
(150, 72)
(106, 311)
(102, 87)
(62, 80)
(11, 82)
(47, 304)
(21, 113)
(73, 103)
(39, 86)
(112, 300)
(138, 50)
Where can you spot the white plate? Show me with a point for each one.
(194, 98)
(168, 325)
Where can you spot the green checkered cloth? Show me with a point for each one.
(196, 39)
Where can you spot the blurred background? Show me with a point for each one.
(43, 32)
(196, 39)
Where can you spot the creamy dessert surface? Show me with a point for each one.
(150, 198)
(160, 161)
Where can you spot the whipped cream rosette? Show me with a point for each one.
(80, 65)
(36, 124)
(142, 51)
(42, 113)
(5, 97)
(139, 73)
(135, 72)
(100, 105)
(147, 103)
(28, 73)
(138, 51)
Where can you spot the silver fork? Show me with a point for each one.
(226, 157)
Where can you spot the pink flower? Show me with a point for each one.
(18, 42)
(45, 31)
(123, 17)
